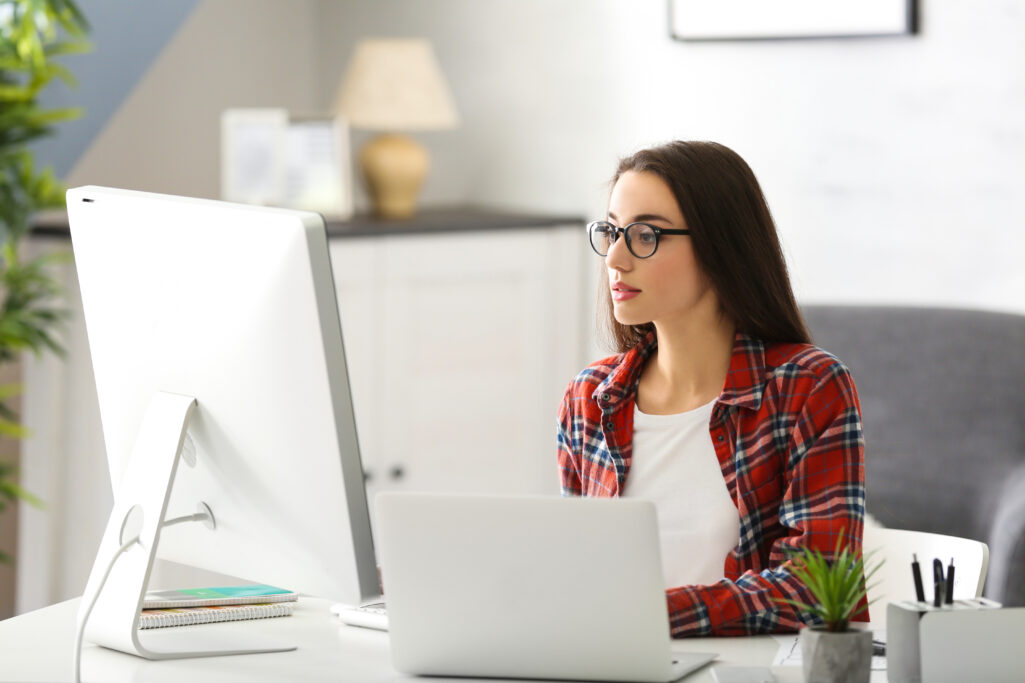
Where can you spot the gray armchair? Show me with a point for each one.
(943, 403)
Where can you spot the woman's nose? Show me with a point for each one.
(619, 257)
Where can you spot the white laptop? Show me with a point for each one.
(526, 587)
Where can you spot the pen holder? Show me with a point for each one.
(970, 640)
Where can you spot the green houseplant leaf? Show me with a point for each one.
(838, 584)
(33, 35)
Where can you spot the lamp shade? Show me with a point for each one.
(395, 84)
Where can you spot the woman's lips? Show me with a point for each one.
(621, 292)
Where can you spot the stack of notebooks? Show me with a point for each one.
(207, 605)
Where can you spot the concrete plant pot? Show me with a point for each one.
(844, 657)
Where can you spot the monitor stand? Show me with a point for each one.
(140, 505)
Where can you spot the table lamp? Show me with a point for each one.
(394, 85)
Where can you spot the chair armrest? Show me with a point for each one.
(1006, 580)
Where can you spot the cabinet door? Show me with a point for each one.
(480, 335)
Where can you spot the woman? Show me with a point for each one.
(747, 438)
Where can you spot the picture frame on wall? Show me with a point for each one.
(708, 20)
(272, 158)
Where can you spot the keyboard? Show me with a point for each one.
(370, 615)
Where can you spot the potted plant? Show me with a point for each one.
(832, 651)
(33, 33)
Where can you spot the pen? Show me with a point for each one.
(938, 585)
(950, 582)
(916, 573)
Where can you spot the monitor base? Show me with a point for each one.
(188, 643)
(117, 584)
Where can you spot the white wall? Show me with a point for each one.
(894, 166)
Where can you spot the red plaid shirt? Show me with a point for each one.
(787, 433)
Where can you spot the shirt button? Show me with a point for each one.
(609, 425)
(605, 397)
(721, 438)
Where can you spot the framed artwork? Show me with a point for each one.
(698, 20)
(252, 155)
(317, 168)
(271, 158)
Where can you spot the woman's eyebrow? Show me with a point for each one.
(643, 218)
(651, 217)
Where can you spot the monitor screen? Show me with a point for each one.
(234, 306)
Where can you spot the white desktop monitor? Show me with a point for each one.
(234, 306)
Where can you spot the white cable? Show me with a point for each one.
(89, 610)
(198, 517)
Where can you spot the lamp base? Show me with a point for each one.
(394, 167)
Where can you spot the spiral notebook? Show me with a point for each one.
(188, 616)
(190, 606)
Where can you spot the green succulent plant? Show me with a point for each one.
(838, 584)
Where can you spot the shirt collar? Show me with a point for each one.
(746, 378)
(744, 385)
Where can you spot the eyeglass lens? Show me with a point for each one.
(641, 239)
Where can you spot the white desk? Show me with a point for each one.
(38, 647)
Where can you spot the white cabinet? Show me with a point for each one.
(459, 346)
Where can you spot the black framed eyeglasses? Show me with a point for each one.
(641, 238)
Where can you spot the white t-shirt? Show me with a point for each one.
(675, 466)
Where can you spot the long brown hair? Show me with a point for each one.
(734, 237)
